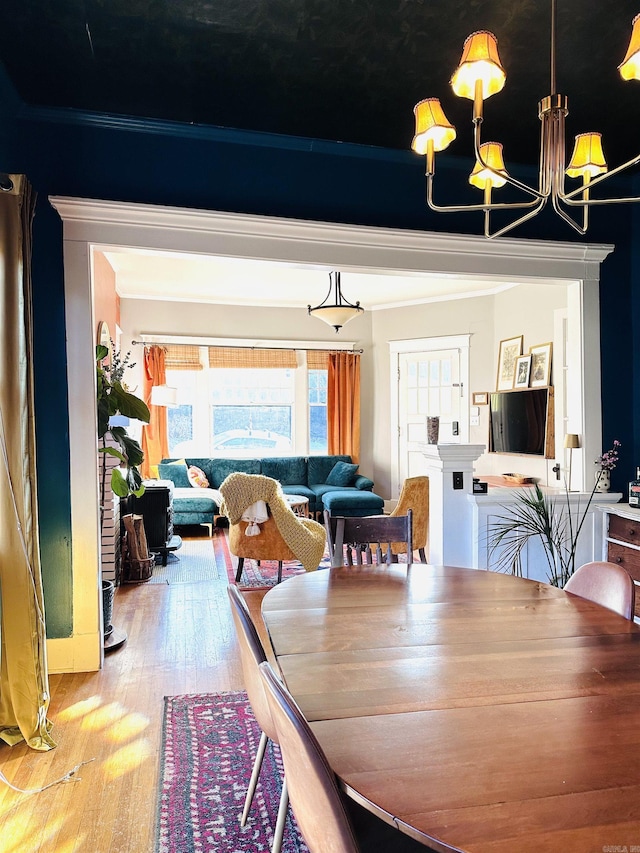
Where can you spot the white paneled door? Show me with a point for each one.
(430, 382)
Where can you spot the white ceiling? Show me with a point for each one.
(173, 276)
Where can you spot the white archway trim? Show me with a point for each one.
(88, 224)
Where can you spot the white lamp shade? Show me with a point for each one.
(164, 395)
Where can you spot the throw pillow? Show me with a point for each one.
(342, 474)
(176, 472)
(197, 477)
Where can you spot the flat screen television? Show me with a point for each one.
(519, 420)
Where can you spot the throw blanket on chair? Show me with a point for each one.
(305, 537)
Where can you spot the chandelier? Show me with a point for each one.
(480, 75)
(339, 311)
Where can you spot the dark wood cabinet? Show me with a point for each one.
(623, 542)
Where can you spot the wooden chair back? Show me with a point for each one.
(252, 654)
(607, 584)
(355, 541)
(311, 783)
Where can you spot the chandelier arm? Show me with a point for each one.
(462, 208)
(322, 304)
(505, 175)
(539, 204)
(598, 180)
(555, 201)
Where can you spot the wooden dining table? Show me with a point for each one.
(476, 711)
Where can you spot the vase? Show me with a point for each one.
(603, 481)
(108, 594)
(433, 429)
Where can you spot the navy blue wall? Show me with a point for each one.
(66, 153)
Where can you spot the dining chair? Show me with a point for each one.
(414, 495)
(356, 540)
(604, 583)
(330, 822)
(282, 536)
(252, 654)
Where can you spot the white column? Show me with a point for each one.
(450, 511)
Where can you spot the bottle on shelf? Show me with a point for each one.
(634, 490)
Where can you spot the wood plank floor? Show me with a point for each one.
(180, 640)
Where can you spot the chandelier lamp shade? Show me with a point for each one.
(335, 310)
(479, 76)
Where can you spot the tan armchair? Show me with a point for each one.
(283, 536)
(415, 496)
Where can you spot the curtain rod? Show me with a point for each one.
(261, 345)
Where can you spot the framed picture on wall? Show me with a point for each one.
(480, 398)
(540, 365)
(523, 369)
(507, 357)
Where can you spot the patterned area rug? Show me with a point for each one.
(194, 562)
(209, 743)
(255, 576)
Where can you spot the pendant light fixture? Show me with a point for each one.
(335, 310)
(480, 75)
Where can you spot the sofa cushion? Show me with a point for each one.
(176, 472)
(196, 500)
(287, 470)
(363, 483)
(352, 503)
(342, 474)
(197, 477)
(318, 467)
(305, 491)
(219, 469)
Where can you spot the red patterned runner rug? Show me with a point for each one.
(209, 743)
(254, 576)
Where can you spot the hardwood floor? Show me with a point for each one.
(180, 640)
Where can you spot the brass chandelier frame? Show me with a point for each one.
(552, 112)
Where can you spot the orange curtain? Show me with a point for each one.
(155, 445)
(343, 404)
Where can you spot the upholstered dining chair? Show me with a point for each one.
(329, 821)
(414, 495)
(604, 583)
(356, 540)
(252, 654)
(282, 536)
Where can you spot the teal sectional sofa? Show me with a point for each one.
(312, 476)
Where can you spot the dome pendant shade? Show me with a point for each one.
(338, 312)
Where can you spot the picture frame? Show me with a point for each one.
(540, 373)
(523, 371)
(480, 398)
(508, 354)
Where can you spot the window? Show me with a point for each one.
(246, 411)
(317, 411)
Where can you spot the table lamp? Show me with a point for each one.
(571, 440)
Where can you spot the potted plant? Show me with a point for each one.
(114, 403)
(536, 515)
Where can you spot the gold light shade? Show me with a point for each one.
(431, 124)
(491, 153)
(587, 158)
(480, 61)
(630, 68)
(571, 440)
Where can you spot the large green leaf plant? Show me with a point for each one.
(535, 515)
(114, 398)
